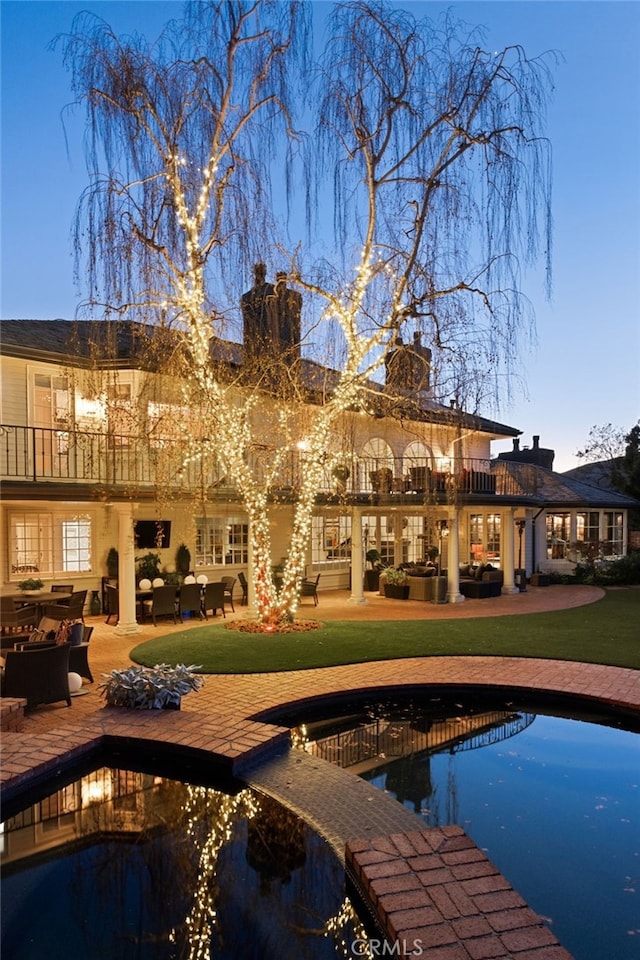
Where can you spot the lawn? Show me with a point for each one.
(607, 632)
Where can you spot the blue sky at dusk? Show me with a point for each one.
(585, 369)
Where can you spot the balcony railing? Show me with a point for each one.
(42, 455)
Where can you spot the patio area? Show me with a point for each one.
(215, 728)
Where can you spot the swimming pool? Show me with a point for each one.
(119, 864)
(554, 802)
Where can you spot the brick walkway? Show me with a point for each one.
(218, 723)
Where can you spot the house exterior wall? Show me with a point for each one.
(398, 519)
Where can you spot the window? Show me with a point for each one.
(558, 528)
(49, 544)
(587, 533)
(476, 537)
(613, 533)
(331, 541)
(484, 537)
(221, 541)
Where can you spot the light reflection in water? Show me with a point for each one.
(553, 802)
(123, 864)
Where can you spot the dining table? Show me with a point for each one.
(40, 598)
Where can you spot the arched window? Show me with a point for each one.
(416, 461)
(376, 464)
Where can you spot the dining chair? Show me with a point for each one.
(309, 588)
(17, 618)
(229, 583)
(190, 599)
(112, 595)
(61, 588)
(73, 609)
(242, 580)
(213, 598)
(162, 603)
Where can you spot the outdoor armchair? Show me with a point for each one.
(37, 676)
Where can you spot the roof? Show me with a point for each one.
(597, 474)
(125, 345)
(559, 489)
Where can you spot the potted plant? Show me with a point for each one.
(150, 688)
(183, 560)
(372, 576)
(341, 474)
(148, 566)
(396, 583)
(112, 563)
(31, 585)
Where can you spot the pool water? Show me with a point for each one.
(553, 802)
(127, 865)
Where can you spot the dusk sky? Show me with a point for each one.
(585, 369)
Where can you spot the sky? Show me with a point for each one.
(585, 367)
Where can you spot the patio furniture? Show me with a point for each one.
(38, 676)
(61, 588)
(213, 598)
(73, 609)
(17, 618)
(162, 603)
(309, 588)
(190, 600)
(242, 580)
(112, 596)
(78, 652)
(229, 583)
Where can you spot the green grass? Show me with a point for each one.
(607, 632)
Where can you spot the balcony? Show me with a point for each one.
(124, 465)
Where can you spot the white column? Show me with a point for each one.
(357, 565)
(453, 559)
(127, 623)
(507, 551)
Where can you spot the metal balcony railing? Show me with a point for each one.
(43, 455)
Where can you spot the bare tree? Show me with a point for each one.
(432, 151)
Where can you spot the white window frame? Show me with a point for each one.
(44, 543)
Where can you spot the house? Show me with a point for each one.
(580, 512)
(92, 456)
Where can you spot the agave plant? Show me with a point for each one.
(150, 688)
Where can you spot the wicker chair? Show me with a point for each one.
(229, 583)
(213, 598)
(112, 596)
(37, 676)
(62, 588)
(17, 618)
(72, 609)
(190, 599)
(309, 588)
(78, 653)
(162, 603)
(242, 580)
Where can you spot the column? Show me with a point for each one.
(453, 558)
(127, 623)
(507, 551)
(357, 566)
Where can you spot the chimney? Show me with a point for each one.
(536, 442)
(516, 444)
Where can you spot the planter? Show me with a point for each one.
(372, 580)
(31, 593)
(396, 591)
(539, 580)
